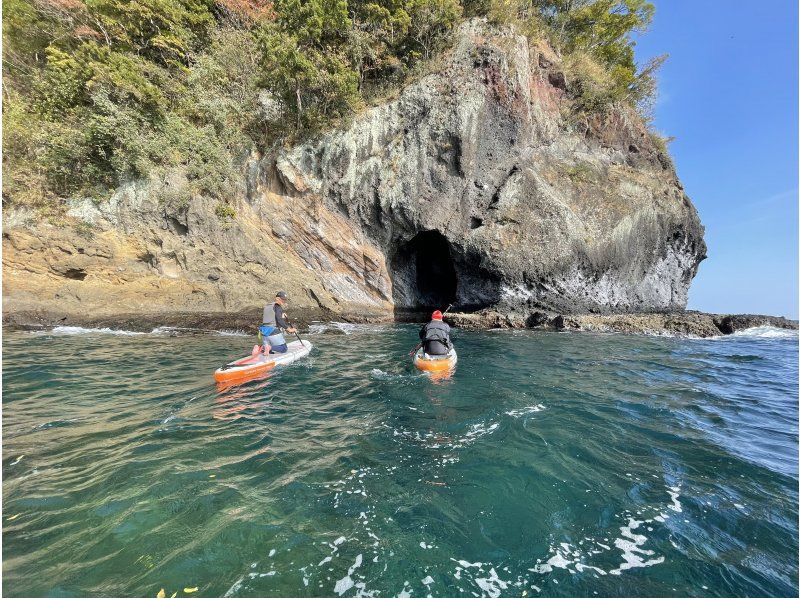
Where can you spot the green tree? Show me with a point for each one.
(100, 91)
(375, 41)
(304, 61)
(430, 19)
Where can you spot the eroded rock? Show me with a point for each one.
(472, 187)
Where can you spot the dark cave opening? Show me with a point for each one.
(436, 275)
(423, 273)
(75, 273)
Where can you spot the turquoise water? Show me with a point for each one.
(561, 464)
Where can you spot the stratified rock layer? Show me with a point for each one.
(476, 186)
(534, 210)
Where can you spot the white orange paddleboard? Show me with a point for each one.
(435, 363)
(253, 366)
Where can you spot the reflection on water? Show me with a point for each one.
(565, 464)
(233, 398)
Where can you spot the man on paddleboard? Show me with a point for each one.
(273, 323)
(435, 335)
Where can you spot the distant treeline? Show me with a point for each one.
(101, 91)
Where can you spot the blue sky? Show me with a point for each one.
(728, 94)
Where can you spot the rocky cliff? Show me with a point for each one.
(476, 186)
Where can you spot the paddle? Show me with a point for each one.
(414, 350)
(295, 331)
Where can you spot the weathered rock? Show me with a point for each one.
(687, 323)
(479, 192)
(471, 188)
(198, 322)
(141, 253)
(735, 323)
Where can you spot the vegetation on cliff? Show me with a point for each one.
(100, 91)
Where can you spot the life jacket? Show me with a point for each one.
(269, 315)
(437, 331)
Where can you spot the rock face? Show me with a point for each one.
(479, 192)
(472, 187)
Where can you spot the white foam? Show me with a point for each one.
(234, 588)
(379, 374)
(478, 430)
(674, 493)
(581, 567)
(345, 327)
(571, 558)
(467, 565)
(347, 582)
(492, 585)
(765, 332)
(525, 410)
(435, 440)
(632, 547)
(79, 330)
(558, 560)
(343, 585)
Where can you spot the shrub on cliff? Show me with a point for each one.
(101, 91)
(594, 38)
(94, 84)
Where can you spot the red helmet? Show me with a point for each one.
(437, 315)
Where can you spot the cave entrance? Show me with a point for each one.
(423, 273)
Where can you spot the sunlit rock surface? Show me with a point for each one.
(476, 186)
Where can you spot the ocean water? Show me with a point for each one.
(549, 463)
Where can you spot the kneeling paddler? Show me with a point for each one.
(273, 323)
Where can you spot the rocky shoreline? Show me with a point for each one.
(244, 320)
(686, 323)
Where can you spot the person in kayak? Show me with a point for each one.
(273, 323)
(435, 336)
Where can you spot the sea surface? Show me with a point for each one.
(553, 464)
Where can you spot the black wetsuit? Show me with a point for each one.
(435, 336)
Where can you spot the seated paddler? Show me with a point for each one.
(435, 336)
